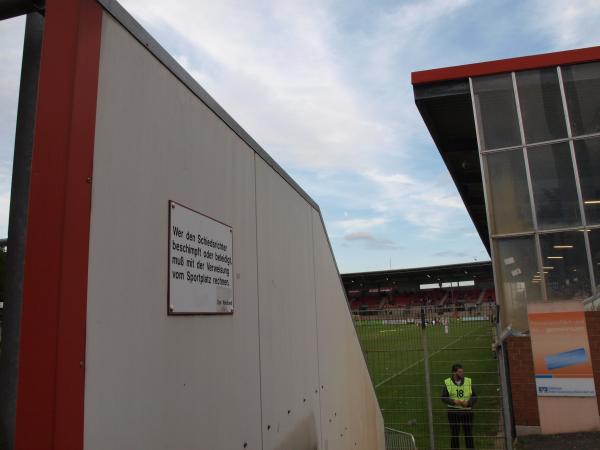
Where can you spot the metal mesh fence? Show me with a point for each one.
(410, 353)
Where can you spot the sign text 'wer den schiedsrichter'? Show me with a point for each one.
(200, 263)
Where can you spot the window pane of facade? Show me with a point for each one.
(496, 111)
(508, 197)
(565, 265)
(582, 90)
(541, 105)
(553, 183)
(516, 266)
(594, 236)
(587, 154)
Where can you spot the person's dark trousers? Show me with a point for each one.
(460, 419)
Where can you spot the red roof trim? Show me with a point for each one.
(507, 65)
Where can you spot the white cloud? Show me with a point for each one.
(371, 242)
(5, 180)
(410, 29)
(434, 207)
(273, 66)
(387, 200)
(359, 225)
(567, 24)
(11, 47)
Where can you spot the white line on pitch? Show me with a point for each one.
(391, 377)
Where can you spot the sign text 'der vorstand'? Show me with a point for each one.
(200, 263)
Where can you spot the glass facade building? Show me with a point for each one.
(539, 147)
(534, 127)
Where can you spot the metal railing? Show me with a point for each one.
(399, 440)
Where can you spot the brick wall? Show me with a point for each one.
(592, 319)
(522, 381)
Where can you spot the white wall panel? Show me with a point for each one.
(351, 417)
(288, 329)
(158, 382)
(155, 382)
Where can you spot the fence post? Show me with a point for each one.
(506, 407)
(427, 379)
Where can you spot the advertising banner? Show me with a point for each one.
(561, 353)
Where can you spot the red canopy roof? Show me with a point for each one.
(506, 65)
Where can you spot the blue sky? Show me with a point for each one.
(324, 86)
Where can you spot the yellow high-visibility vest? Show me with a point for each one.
(463, 392)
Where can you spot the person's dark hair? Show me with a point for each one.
(455, 367)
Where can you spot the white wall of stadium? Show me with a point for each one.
(285, 370)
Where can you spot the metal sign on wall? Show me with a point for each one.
(561, 353)
(200, 263)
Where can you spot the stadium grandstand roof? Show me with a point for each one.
(445, 273)
(443, 98)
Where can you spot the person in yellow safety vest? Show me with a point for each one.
(459, 395)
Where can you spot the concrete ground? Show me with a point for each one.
(576, 441)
